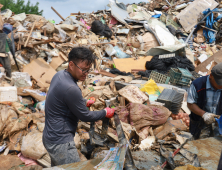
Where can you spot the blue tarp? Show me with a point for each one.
(208, 34)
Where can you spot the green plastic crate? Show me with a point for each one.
(159, 78)
(180, 76)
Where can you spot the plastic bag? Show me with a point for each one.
(110, 50)
(32, 146)
(100, 29)
(41, 106)
(19, 17)
(151, 87)
(84, 22)
(61, 33)
(17, 77)
(120, 54)
(7, 13)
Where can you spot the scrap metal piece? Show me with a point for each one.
(118, 13)
(168, 155)
(129, 163)
(188, 155)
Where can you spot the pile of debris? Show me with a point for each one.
(155, 41)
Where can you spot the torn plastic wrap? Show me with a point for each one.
(61, 33)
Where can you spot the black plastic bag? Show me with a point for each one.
(101, 29)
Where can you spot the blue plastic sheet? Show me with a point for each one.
(208, 34)
(120, 54)
(219, 121)
(156, 16)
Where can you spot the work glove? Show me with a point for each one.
(209, 118)
(89, 103)
(109, 112)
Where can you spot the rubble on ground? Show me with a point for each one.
(148, 48)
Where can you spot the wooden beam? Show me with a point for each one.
(29, 34)
(57, 13)
(105, 73)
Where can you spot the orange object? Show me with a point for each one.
(93, 99)
(6, 103)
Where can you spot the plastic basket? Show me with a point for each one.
(159, 78)
(180, 76)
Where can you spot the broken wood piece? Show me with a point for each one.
(63, 56)
(57, 13)
(45, 32)
(77, 13)
(105, 73)
(41, 71)
(127, 64)
(209, 29)
(29, 34)
(52, 45)
(122, 101)
(44, 49)
(58, 60)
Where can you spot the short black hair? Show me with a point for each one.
(82, 54)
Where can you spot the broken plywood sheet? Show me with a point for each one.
(208, 151)
(128, 64)
(216, 57)
(188, 17)
(58, 60)
(41, 71)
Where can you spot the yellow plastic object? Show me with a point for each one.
(151, 88)
(189, 167)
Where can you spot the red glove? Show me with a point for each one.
(89, 103)
(109, 112)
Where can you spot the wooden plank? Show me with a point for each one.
(105, 73)
(41, 71)
(30, 34)
(57, 13)
(216, 57)
(57, 61)
(127, 64)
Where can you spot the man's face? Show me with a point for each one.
(79, 70)
(214, 84)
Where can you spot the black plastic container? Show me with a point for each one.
(172, 99)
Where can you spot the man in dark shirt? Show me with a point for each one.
(65, 106)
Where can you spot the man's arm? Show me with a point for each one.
(195, 109)
(208, 118)
(77, 105)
